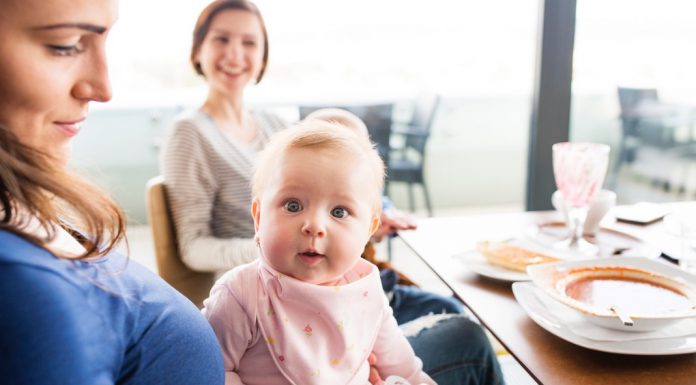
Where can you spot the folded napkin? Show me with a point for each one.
(543, 245)
(584, 328)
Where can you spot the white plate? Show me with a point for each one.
(550, 277)
(526, 295)
(477, 263)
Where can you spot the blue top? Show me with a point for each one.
(109, 321)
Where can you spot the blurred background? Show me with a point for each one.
(478, 58)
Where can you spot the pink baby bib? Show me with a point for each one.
(321, 334)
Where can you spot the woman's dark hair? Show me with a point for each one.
(34, 185)
(206, 18)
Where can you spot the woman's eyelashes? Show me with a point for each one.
(226, 39)
(66, 50)
(221, 39)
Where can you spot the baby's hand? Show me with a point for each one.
(375, 378)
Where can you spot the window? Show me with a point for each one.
(479, 56)
(639, 45)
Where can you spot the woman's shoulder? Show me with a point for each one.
(17, 250)
(33, 265)
(192, 121)
(269, 121)
(53, 319)
(113, 280)
(112, 305)
(43, 299)
(192, 134)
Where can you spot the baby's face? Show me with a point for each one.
(316, 214)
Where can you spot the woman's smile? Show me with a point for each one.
(70, 128)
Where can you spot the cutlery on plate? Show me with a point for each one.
(625, 318)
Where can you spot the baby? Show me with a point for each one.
(310, 310)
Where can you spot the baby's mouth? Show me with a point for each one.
(311, 258)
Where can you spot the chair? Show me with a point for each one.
(630, 100)
(194, 285)
(646, 123)
(407, 160)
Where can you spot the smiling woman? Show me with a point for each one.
(49, 73)
(52, 44)
(73, 310)
(208, 157)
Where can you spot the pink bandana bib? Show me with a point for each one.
(321, 334)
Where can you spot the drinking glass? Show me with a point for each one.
(579, 170)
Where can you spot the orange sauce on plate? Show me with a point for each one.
(631, 295)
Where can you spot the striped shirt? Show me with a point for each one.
(208, 180)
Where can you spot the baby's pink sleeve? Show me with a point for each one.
(395, 355)
(232, 326)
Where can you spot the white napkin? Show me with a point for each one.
(580, 326)
(542, 244)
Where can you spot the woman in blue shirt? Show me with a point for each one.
(72, 310)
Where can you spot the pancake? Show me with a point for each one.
(511, 257)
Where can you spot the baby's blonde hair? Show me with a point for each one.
(340, 116)
(320, 135)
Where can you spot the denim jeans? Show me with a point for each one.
(409, 303)
(454, 350)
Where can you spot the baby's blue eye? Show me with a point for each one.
(339, 212)
(293, 206)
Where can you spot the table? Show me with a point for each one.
(547, 358)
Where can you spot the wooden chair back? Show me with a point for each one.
(194, 285)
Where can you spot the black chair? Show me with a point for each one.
(645, 123)
(633, 126)
(407, 158)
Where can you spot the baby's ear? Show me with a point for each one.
(374, 223)
(256, 213)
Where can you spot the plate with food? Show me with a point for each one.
(557, 319)
(621, 293)
(504, 260)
